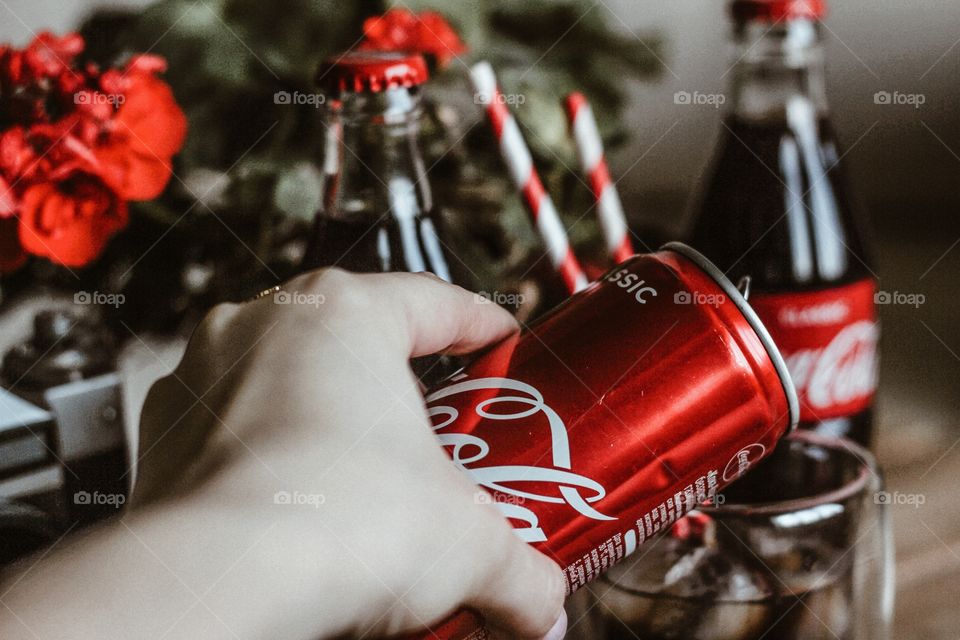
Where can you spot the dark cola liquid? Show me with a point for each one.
(372, 245)
(367, 244)
(776, 208)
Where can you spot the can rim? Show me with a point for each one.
(793, 403)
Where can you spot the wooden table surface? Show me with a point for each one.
(919, 421)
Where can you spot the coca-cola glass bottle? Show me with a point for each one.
(378, 212)
(777, 208)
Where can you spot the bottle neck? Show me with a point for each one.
(778, 68)
(377, 211)
(372, 161)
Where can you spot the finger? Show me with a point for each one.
(426, 314)
(522, 591)
(441, 317)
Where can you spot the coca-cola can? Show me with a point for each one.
(626, 406)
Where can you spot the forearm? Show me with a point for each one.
(166, 572)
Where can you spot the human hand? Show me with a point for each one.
(312, 401)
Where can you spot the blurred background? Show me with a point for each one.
(872, 46)
(904, 162)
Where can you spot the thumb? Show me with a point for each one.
(523, 590)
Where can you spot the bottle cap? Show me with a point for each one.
(778, 10)
(371, 71)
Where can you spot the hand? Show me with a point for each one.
(290, 486)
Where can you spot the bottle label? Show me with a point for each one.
(829, 341)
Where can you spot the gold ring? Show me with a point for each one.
(266, 292)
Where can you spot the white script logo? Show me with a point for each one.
(469, 450)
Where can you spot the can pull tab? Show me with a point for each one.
(743, 286)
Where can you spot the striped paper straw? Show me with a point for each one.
(520, 164)
(593, 163)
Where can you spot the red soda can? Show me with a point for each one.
(625, 407)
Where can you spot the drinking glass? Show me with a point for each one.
(799, 548)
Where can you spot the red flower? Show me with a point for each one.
(15, 154)
(149, 128)
(69, 222)
(76, 145)
(44, 152)
(402, 30)
(49, 56)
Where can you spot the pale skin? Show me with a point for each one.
(382, 534)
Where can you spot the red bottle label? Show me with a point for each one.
(829, 340)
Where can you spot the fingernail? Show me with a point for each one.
(559, 628)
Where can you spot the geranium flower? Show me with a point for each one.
(79, 143)
(44, 152)
(135, 155)
(48, 55)
(402, 30)
(70, 221)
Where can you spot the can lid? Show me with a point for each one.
(793, 403)
(778, 10)
(371, 71)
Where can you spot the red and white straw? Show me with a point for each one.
(516, 154)
(593, 163)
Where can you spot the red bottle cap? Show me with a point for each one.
(777, 10)
(371, 71)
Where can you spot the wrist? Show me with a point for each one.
(250, 565)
